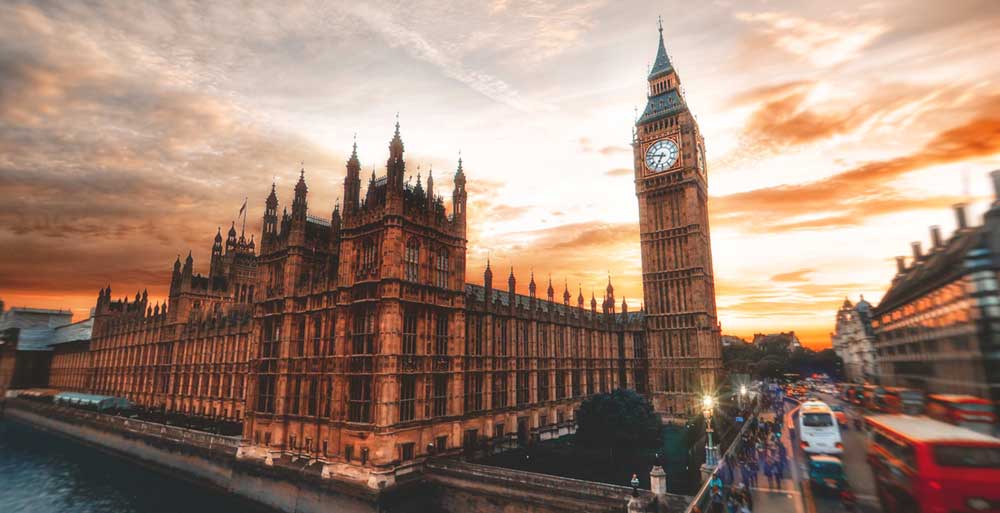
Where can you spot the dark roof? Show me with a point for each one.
(478, 293)
(661, 66)
(662, 105)
(938, 268)
(43, 339)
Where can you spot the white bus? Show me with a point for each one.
(818, 429)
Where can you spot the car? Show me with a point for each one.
(838, 411)
(826, 474)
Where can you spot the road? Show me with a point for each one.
(793, 495)
(859, 475)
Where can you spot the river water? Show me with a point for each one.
(45, 473)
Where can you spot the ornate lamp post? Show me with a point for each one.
(711, 452)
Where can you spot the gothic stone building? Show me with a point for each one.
(671, 183)
(853, 341)
(355, 341)
(190, 355)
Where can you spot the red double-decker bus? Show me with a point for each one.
(922, 465)
(966, 411)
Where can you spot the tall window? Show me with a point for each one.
(543, 341)
(499, 390)
(311, 397)
(440, 395)
(367, 257)
(501, 335)
(407, 397)
(317, 335)
(441, 269)
(441, 333)
(359, 402)
(522, 388)
(300, 337)
(265, 393)
(560, 384)
(410, 331)
(271, 338)
(412, 260)
(473, 391)
(474, 335)
(543, 385)
(363, 336)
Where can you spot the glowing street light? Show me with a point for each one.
(711, 456)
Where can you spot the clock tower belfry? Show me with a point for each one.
(671, 183)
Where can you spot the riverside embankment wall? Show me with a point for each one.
(210, 460)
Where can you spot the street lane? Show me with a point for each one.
(859, 475)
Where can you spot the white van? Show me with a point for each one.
(818, 429)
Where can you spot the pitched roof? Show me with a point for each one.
(661, 65)
(662, 105)
(939, 267)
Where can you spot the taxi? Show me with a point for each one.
(826, 473)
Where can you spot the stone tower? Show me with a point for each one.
(671, 183)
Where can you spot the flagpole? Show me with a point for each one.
(244, 230)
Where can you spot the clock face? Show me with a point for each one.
(661, 155)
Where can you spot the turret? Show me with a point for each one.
(352, 182)
(551, 292)
(531, 286)
(215, 265)
(231, 239)
(299, 207)
(624, 306)
(511, 285)
(579, 299)
(593, 302)
(395, 166)
(270, 215)
(458, 195)
(488, 281)
(430, 190)
(188, 268)
(566, 294)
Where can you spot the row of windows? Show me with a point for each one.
(411, 267)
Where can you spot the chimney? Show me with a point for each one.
(916, 250)
(900, 265)
(960, 216)
(936, 237)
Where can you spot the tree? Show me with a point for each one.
(622, 420)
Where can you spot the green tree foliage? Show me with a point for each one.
(620, 421)
(774, 360)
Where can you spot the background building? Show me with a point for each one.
(788, 341)
(853, 341)
(938, 325)
(35, 344)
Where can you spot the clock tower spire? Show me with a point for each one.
(671, 184)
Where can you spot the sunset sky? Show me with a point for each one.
(130, 131)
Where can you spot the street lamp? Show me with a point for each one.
(743, 394)
(711, 457)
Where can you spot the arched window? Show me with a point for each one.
(367, 257)
(441, 269)
(411, 259)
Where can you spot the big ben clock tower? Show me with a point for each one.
(671, 183)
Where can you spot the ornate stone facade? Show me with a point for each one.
(354, 340)
(188, 356)
(671, 183)
(853, 341)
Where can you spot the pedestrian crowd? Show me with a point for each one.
(759, 449)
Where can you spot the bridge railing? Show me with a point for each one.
(704, 495)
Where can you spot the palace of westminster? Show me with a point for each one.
(355, 339)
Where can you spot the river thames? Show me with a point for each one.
(44, 473)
